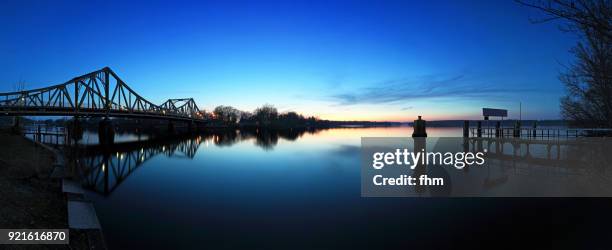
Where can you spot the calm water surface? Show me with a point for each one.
(294, 191)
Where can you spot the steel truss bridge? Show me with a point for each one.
(99, 93)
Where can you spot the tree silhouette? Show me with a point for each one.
(227, 114)
(266, 115)
(588, 80)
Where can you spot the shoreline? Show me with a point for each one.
(31, 197)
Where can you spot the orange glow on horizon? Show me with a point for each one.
(397, 118)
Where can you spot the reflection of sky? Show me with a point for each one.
(342, 60)
(306, 191)
(276, 197)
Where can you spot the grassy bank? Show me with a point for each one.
(29, 199)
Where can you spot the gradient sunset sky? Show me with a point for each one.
(339, 60)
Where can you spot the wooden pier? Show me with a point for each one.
(48, 135)
(538, 133)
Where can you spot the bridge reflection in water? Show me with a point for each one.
(102, 168)
(514, 167)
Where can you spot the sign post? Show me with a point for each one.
(488, 112)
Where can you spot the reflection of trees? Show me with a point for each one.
(224, 138)
(103, 169)
(264, 138)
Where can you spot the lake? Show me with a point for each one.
(299, 190)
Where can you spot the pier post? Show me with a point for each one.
(498, 146)
(37, 137)
(466, 129)
(517, 129)
(497, 129)
(419, 128)
(535, 125)
(106, 132)
(479, 129)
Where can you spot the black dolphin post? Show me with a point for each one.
(420, 135)
(419, 128)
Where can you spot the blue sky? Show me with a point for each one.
(344, 60)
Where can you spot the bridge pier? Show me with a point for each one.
(16, 129)
(190, 127)
(106, 132)
(171, 128)
(138, 130)
(75, 129)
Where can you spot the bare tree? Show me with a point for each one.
(227, 114)
(579, 15)
(266, 114)
(588, 80)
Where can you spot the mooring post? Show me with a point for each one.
(466, 128)
(479, 129)
(419, 128)
(419, 133)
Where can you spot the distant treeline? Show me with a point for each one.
(269, 117)
(266, 116)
